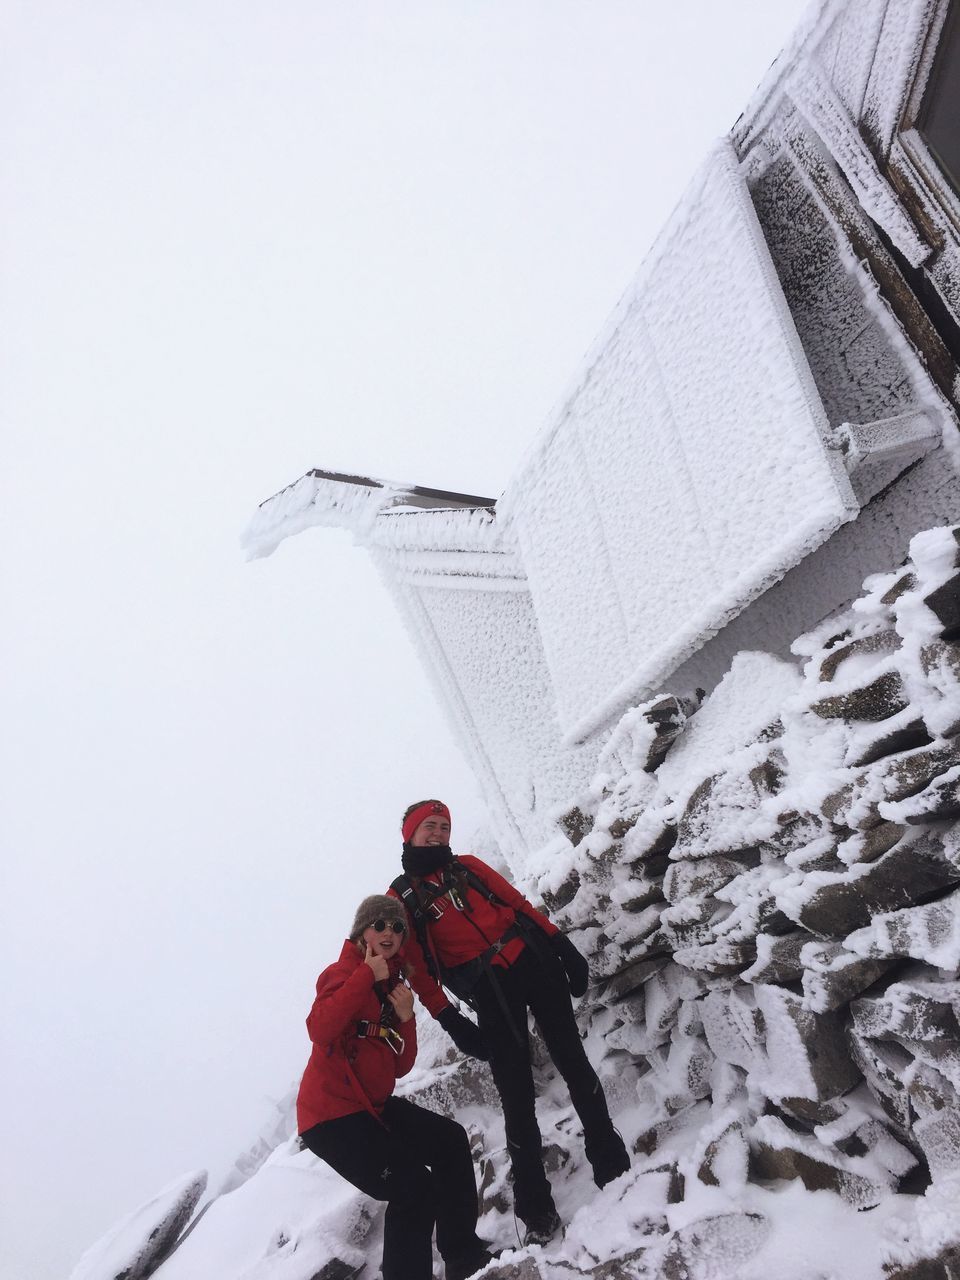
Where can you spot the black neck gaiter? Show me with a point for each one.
(431, 857)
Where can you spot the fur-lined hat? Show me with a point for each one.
(379, 906)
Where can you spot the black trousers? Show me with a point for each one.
(420, 1163)
(540, 985)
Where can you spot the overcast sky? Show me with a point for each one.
(240, 240)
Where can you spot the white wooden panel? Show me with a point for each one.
(686, 471)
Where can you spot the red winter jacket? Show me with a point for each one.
(346, 996)
(459, 936)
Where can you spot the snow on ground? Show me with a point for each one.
(130, 1248)
(290, 1218)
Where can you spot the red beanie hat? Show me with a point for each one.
(418, 813)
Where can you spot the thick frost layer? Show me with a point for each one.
(443, 523)
(749, 699)
(688, 469)
(315, 500)
(812, 91)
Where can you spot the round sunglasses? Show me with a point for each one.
(397, 926)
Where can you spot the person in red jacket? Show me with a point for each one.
(472, 931)
(364, 1039)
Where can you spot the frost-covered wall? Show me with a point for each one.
(691, 465)
(469, 610)
(769, 416)
(818, 146)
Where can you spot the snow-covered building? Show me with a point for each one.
(768, 417)
(768, 889)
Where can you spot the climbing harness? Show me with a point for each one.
(380, 1031)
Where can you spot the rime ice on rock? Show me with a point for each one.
(815, 961)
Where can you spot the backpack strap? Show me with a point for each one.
(527, 929)
(474, 881)
(403, 888)
(419, 914)
(361, 1093)
(419, 911)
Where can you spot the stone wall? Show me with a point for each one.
(778, 929)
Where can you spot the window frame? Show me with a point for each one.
(913, 167)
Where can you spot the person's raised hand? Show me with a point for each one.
(401, 997)
(378, 965)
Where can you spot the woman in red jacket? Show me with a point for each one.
(364, 1039)
(475, 933)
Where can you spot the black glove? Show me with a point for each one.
(466, 1035)
(575, 967)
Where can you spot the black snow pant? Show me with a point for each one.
(420, 1163)
(539, 985)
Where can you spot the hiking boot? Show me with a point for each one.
(468, 1265)
(609, 1159)
(542, 1228)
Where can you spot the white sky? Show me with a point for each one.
(239, 240)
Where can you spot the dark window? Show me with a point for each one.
(939, 122)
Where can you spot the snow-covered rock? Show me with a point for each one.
(138, 1244)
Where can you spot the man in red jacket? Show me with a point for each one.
(364, 1039)
(472, 931)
